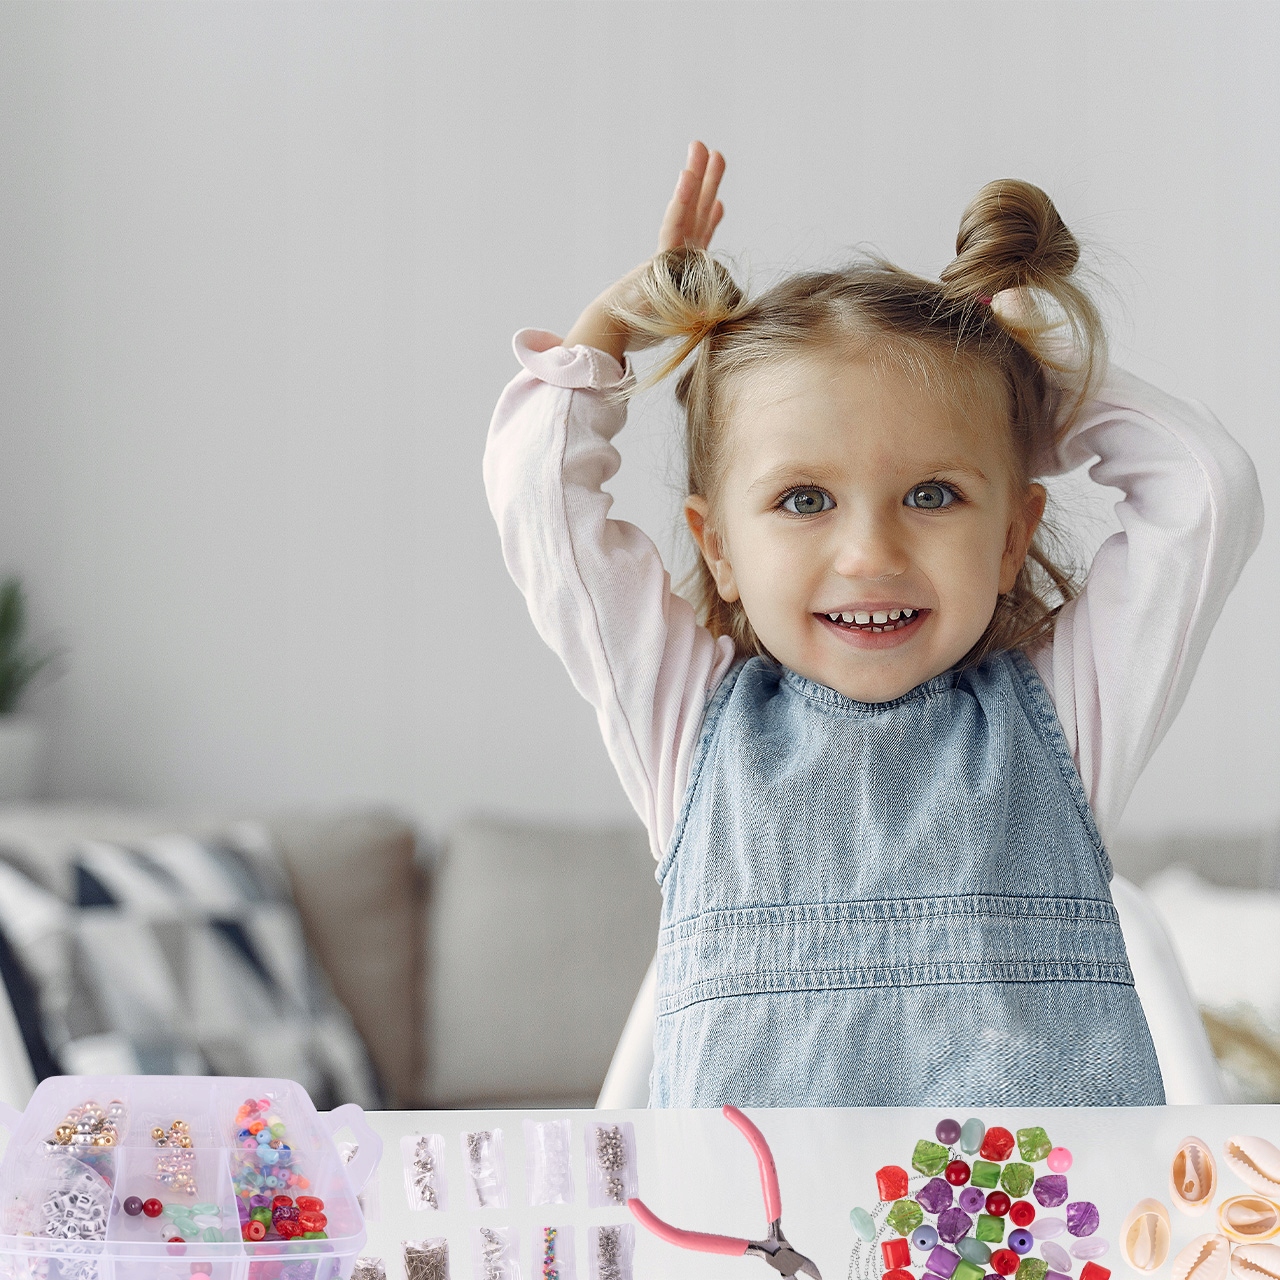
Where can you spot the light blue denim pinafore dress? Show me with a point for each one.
(898, 903)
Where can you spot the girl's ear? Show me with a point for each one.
(709, 542)
(1023, 523)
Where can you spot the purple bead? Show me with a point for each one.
(948, 1132)
(1020, 1241)
(259, 1202)
(287, 1212)
(132, 1206)
(972, 1199)
(953, 1225)
(1087, 1250)
(1051, 1190)
(1082, 1218)
(1055, 1275)
(942, 1262)
(1055, 1255)
(935, 1195)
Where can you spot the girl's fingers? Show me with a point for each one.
(691, 215)
(711, 176)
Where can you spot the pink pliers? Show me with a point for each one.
(774, 1249)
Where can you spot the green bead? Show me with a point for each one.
(201, 1209)
(990, 1228)
(973, 1250)
(1031, 1269)
(863, 1224)
(262, 1213)
(1016, 1179)
(985, 1174)
(905, 1217)
(320, 1235)
(971, 1135)
(211, 1235)
(929, 1158)
(967, 1271)
(277, 1130)
(1034, 1144)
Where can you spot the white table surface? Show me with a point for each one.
(697, 1171)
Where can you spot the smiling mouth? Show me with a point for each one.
(889, 620)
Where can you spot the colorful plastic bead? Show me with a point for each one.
(1089, 1248)
(942, 1262)
(1016, 1179)
(1004, 1262)
(896, 1253)
(153, 1208)
(1051, 1274)
(254, 1230)
(947, 1132)
(1050, 1190)
(1032, 1269)
(863, 1224)
(1056, 1256)
(1082, 1218)
(957, 1173)
(929, 1158)
(898, 1273)
(953, 1224)
(966, 1270)
(1022, 1213)
(924, 1238)
(1020, 1241)
(972, 1200)
(997, 1144)
(935, 1195)
(905, 1216)
(1033, 1144)
(891, 1183)
(132, 1206)
(990, 1229)
(1047, 1228)
(998, 1204)
(1059, 1160)
(971, 1135)
(971, 1249)
(985, 1174)
(1091, 1271)
(316, 1204)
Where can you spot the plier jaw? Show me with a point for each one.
(781, 1256)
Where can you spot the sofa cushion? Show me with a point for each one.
(538, 938)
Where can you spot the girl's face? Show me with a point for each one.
(866, 528)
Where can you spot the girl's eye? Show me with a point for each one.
(807, 502)
(931, 496)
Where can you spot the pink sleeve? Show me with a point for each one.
(1123, 653)
(596, 588)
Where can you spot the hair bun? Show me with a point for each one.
(1010, 236)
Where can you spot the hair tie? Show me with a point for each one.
(985, 299)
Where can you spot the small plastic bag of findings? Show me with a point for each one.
(611, 1164)
(553, 1256)
(425, 1185)
(547, 1173)
(486, 1169)
(426, 1259)
(497, 1253)
(611, 1250)
(369, 1268)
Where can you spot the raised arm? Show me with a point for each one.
(1123, 653)
(596, 588)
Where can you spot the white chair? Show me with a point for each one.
(1186, 1060)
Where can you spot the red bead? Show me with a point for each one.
(313, 1221)
(314, 1202)
(899, 1273)
(1022, 1213)
(1004, 1262)
(152, 1208)
(997, 1144)
(891, 1182)
(1092, 1271)
(957, 1173)
(998, 1204)
(896, 1253)
(278, 1201)
(254, 1230)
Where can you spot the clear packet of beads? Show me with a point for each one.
(547, 1172)
(611, 1251)
(611, 1164)
(497, 1253)
(486, 1169)
(426, 1259)
(369, 1267)
(425, 1185)
(553, 1254)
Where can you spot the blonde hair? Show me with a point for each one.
(942, 333)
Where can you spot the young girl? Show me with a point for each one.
(879, 755)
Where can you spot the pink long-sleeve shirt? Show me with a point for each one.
(1117, 666)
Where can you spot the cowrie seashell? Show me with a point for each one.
(1256, 1262)
(1193, 1176)
(1255, 1161)
(1144, 1238)
(1249, 1219)
(1205, 1258)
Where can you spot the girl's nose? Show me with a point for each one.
(869, 548)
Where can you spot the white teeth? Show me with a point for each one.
(907, 613)
(835, 617)
(861, 618)
(877, 629)
(894, 614)
(880, 618)
(848, 617)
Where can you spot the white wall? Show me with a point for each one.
(259, 269)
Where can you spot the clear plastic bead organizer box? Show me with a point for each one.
(178, 1178)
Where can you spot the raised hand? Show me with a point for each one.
(691, 218)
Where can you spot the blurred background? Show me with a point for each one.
(260, 266)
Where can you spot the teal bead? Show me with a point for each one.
(863, 1224)
(204, 1208)
(971, 1135)
(973, 1250)
(211, 1235)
